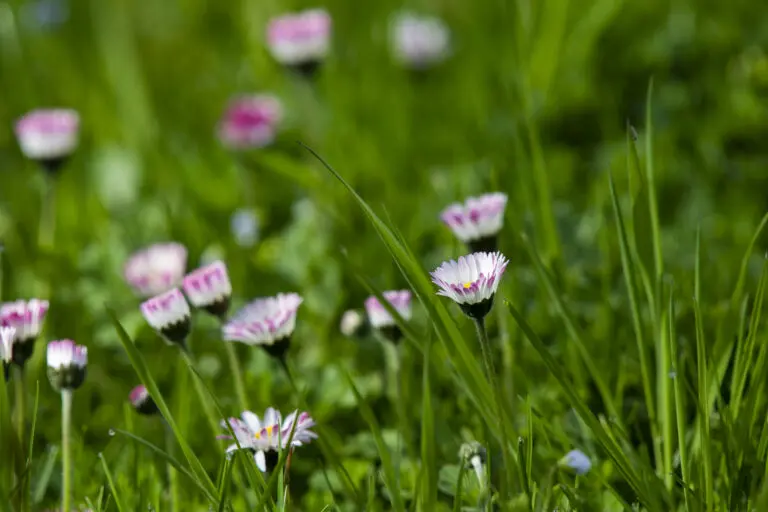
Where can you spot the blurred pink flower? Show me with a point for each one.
(300, 40)
(250, 121)
(48, 136)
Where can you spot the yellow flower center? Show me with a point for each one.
(269, 430)
(467, 285)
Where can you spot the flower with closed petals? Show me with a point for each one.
(169, 315)
(267, 322)
(354, 324)
(156, 269)
(300, 41)
(209, 288)
(577, 461)
(66, 364)
(478, 221)
(48, 136)
(26, 317)
(250, 121)
(268, 435)
(6, 348)
(419, 41)
(473, 455)
(380, 318)
(142, 401)
(471, 281)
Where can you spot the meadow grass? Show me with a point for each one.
(628, 324)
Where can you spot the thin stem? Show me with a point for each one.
(66, 476)
(173, 480)
(20, 405)
(237, 374)
(485, 348)
(202, 396)
(47, 229)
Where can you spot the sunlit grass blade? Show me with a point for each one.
(137, 361)
(391, 479)
(650, 178)
(112, 488)
(645, 485)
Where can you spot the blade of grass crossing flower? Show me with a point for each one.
(137, 361)
(677, 379)
(637, 323)
(633, 471)
(703, 405)
(225, 483)
(390, 478)
(110, 481)
(428, 457)
(573, 331)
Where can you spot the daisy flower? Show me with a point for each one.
(353, 324)
(26, 317)
(156, 269)
(268, 435)
(142, 401)
(471, 281)
(250, 121)
(6, 348)
(577, 461)
(267, 322)
(66, 364)
(419, 41)
(48, 136)
(169, 315)
(300, 40)
(209, 288)
(477, 221)
(380, 318)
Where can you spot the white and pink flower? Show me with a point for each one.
(471, 281)
(142, 401)
(67, 362)
(48, 135)
(209, 288)
(251, 121)
(26, 317)
(419, 41)
(169, 314)
(156, 269)
(300, 40)
(477, 221)
(267, 322)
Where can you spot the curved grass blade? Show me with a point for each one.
(112, 488)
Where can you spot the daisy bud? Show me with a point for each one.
(380, 318)
(156, 269)
(169, 315)
(142, 401)
(250, 121)
(48, 137)
(419, 41)
(576, 461)
(478, 221)
(209, 288)
(300, 41)
(66, 364)
(473, 455)
(353, 324)
(471, 281)
(6, 348)
(26, 317)
(266, 322)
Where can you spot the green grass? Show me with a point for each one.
(629, 323)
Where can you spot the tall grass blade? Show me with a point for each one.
(428, 457)
(112, 488)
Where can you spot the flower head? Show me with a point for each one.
(48, 136)
(577, 461)
(6, 347)
(156, 269)
(268, 435)
(250, 121)
(26, 317)
(300, 40)
(353, 323)
(66, 364)
(380, 318)
(142, 401)
(419, 41)
(478, 221)
(209, 288)
(471, 281)
(169, 314)
(268, 322)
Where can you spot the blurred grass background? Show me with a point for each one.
(534, 101)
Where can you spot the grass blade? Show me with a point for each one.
(428, 463)
(112, 488)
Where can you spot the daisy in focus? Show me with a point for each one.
(156, 269)
(209, 288)
(419, 41)
(380, 319)
(471, 281)
(26, 317)
(250, 121)
(169, 315)
(300, 41)
(267, 322)
(268, 435)
(66, 364)
(48, 136)
(477, 221)
(6, 348)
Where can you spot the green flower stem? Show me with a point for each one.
(237, 374)
(66, 475)
(173, 480)
(202, 396)
(20, 405)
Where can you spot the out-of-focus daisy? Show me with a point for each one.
(380, 318)
(156, 269)
(142, 401)
(353, 323)
(419, 41)
(244, 225)
(250, 121)
(478, 221)
(577, 461)
(6, 348)
(300, 41)
(268, 435)
(471, 281)
(169, 315)
(473, 455)
(209, 288)
(267, 322)
(48, 136)
(66, 364)
(26, 317)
